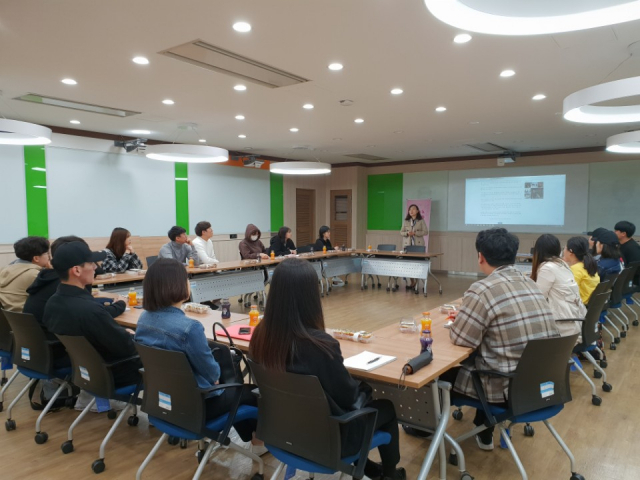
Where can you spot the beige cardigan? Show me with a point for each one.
(420, 229)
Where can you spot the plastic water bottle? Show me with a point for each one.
(225, 308)
(426, 342)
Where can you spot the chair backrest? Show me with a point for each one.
(30, 347)
(171, 392)
(630, 284)
(90, 371)
(293, 413)
(591, 319)
(600, 288)
(619, 286)
(612, 280)
(306, 248)
(542, 375)
(386, 247)
(6, 338)
(415, 249)
(151, 259)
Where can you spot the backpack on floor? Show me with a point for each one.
(43, 390)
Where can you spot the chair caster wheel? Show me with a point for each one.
(199, 456)
(1, 406)
(41, 437)
(457, 414)
(133, 420)
(98, 466)
(322, 295)
(607, 387)
(597, 374)
(416, 292)
(529, 431)
(617, 339)
(112, 414)
(379, 285)
(247, 305)
(257, 476)
(623, 334)
(603, 364)
(10, 425)
(173, 440)
(388, 289)
(453, 459)
(440, 291)
(636, 323)
(596, 400)
(576, 476)
(240, 300)
(183, 443)
(67, 447)
(466, 476)
(4, 381)
(613, 346)
(346, 282)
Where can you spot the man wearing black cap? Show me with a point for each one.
(73, 311)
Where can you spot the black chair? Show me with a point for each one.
(6, 357)
(296, 425)
(630, 289)
(177, 407)
(602, 287)
(617, 298)
(416, 249)
(91, 373)
(151, 259)
(383, 247)
(33, 355)
(538, 390)
(604, 319)
(306, 248)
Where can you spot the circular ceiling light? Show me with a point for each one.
(240, 88)
(168, 101)
(14, 132)
(140, 60)
(175, 152)
(624, 143)
(69, 81)
(507, 73)
(539, 96)
(359, 120)
(336, 66)
(441, 109)
(462, 38)
(242, 27)
(580, 106)
(396, 91)
(239, 117)
(300, 168)
(530, 18)
(307, 106)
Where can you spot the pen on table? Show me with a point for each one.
(373, 360)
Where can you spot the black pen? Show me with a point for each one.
(373, 360)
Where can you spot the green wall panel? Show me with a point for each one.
(277, 201)
(35, 173)
(182, 195)
(384, 203)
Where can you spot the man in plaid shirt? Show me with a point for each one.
(498, 316)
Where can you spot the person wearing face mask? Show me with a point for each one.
(251, 247)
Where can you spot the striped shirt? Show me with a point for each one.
(498, 316)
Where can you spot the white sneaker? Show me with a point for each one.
(487, 447)
(258, 450)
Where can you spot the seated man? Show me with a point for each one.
(498, 316)
(73, 311)
(179, 248)
(203, 244)
(629, 248)
(33, 255)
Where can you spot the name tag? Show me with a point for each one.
(546, 389)
(24, 353)
(84, 373)
(164, 401)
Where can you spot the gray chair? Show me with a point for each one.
(383, 247)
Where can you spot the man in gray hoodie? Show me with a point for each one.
(179, 248)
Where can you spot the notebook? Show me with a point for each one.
(234, 333)
(367, 361)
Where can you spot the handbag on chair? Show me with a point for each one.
(229, 357)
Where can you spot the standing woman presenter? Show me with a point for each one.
(414, 228)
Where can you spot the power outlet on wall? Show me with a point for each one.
(233, 235)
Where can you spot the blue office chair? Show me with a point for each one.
(538, 390)
(6, 346)
(92, 374)
(177, 407)
(296, 425)
(32, 353)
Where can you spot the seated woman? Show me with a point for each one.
(293, 321)
(578, 256)
(324, 239)
(557, 283)
(608, 248)
(163, 324)
(282, 244)
(120, 254)
(251, 247)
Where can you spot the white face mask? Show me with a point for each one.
(254, 238)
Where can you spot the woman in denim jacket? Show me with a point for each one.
(164, 325)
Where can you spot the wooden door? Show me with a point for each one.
(340, 218)
(305, 217)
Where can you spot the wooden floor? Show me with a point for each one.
(604, 439)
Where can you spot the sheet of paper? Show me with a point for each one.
(367, 361)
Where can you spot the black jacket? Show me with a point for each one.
(320, 243)
(73, 311)
(281, 248)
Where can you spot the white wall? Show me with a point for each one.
(13, 196)
(614, 194)
(433, 185)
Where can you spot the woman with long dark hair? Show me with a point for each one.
(578, 256)
(282, 244)
(414, 227)
(608, 249)
(557, 283)
(120, 254)
(292, 338)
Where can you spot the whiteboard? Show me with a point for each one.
(90, 193)
(13, 194)
(433, 185)
(229, 198)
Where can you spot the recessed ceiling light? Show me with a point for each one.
(462, 38)
(294, 130)
(69, 81)
(507, 73)
(242, 27)
(359, 120)
(140, 132)
(539, 96)
(242, 136)
(307, 106)
(336, 66)
(396, 91)
(441, 109)
(75, 122)
(168, 101)
(141, 60)
(240, 88)
(203, 140)
(239, 117)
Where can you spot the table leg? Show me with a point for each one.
(437, 444)
(435, 278)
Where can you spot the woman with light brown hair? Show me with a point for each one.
(120, 254)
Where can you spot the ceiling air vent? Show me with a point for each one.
(364, 156)
(205, 55)
(73, 105)
(487, 147)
